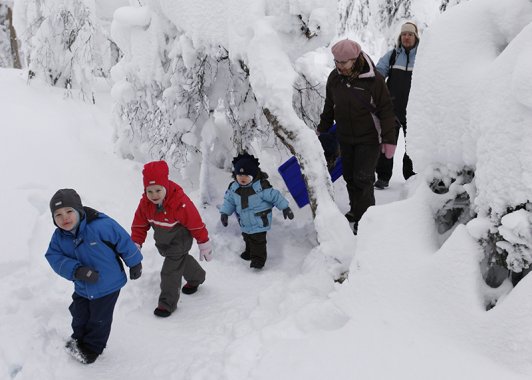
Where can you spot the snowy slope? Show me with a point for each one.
(409, 310)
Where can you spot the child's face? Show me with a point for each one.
(156, 193)
(243, 179)
(66, 218)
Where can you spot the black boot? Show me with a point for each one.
(160, 312)
(381, 184)
(89, 356)
(189, 289)
(256, 265)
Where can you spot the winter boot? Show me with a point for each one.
(256, 265)
(72, 347)
(161, 312)
(355, 228)
(245, 256)
(189, 289)
(89, 356)
(381, 184)
(80, 352)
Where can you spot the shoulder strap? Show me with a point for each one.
(393, 56)
(391, 62)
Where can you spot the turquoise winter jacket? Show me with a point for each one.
(99, 243)
(253, 204)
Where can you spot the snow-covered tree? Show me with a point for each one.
(9, 50)
(5, 46)
(61, 43)
(487, 139)
(261, 66)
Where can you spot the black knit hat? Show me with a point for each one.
(66, 198)
(246, 164)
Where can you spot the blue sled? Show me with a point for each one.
(291, 173)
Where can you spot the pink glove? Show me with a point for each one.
(205, 251)
(388, 150)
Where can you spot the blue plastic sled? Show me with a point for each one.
(291, 173)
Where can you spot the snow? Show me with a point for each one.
(410, 309)
(473, 106)
(414, 305)
(133, 16)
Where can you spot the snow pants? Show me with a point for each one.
(385, 165)
(174, 246)
(256, 247)
(359, 163)
(92, 319)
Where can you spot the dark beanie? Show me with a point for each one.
(155, 173)
(246, 166)
(66, 198)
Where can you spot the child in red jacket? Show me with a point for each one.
(175, 221)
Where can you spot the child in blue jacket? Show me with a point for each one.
(252, 198)
(88, 248)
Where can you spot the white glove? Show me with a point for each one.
(205, 251)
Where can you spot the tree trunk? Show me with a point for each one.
(13, 40)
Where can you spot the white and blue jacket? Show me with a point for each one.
(253, 204)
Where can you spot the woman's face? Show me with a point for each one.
(344, 67)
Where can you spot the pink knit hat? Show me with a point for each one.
(345, 50)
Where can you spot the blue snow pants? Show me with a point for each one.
(91, 320)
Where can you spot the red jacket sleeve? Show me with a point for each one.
(191, 219)
(140, 225)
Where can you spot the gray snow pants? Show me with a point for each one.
(174, 246)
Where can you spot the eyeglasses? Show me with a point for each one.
(342, 63)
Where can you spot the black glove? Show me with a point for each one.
(287, 213)
(86, 274)
(224, 219)
(135, 271)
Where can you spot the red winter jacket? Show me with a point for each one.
(177, 209)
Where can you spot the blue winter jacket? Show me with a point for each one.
(253, 204)
(99, 243)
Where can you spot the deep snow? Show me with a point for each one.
(414, 305)
(408, 309)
